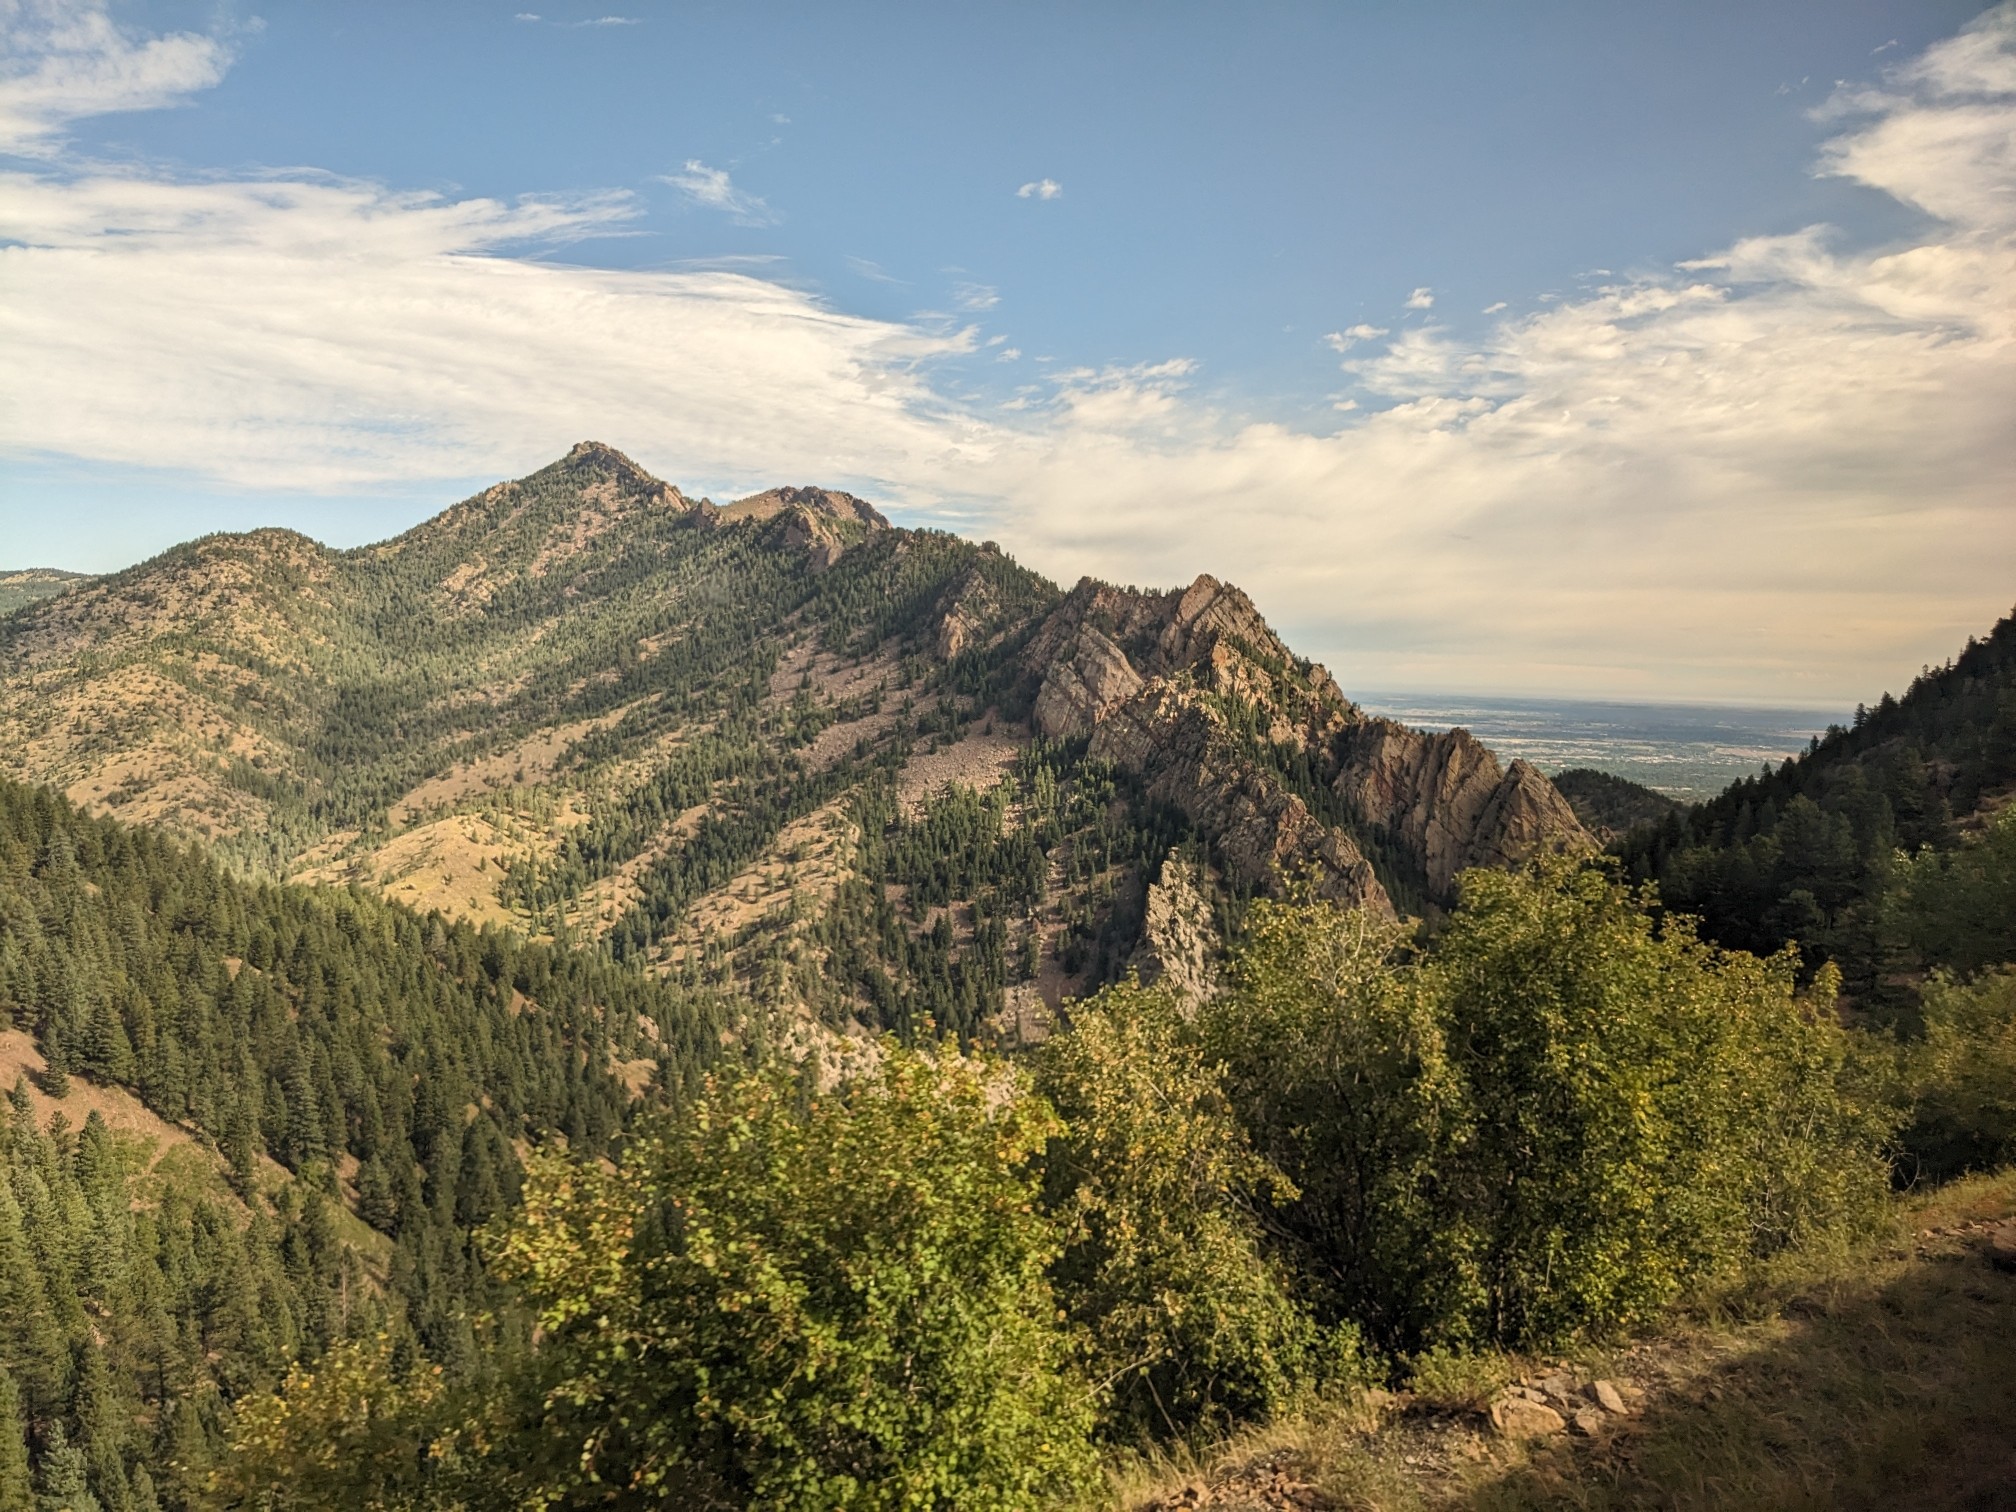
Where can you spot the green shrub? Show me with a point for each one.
(1960, 1079)
(1550, 1121)
(1160, 1193)
(792, 1302)
(1336, 1062)
(1956, 909)
(1458, 1381)
(1645, 1111)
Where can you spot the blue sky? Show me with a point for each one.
(1560, 348)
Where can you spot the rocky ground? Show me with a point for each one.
(1875, 1381)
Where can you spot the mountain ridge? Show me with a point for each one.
(588, 706)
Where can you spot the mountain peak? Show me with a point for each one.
(601, 457)
(813, 500)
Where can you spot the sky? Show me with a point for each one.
(1658, 352)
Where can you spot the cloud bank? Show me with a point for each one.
(1779, 471)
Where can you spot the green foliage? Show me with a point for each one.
(1456, 1380)
(307, 1026)
(1609, 805)
(1956, 909)
(1336, 1061)
(801, 1301)
(351, 1434)
(1550, 1122)
(1646, 1112)
(1190, 1323)
(1959, 1080)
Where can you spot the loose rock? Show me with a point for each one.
(1517, 1418)
(1606, 1395)
(2002, 1246)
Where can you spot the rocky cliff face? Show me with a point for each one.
(1192, 690)
(1448, 803)
(1179, 943)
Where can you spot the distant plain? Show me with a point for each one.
(1688, 751)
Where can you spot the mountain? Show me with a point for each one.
(874, 773)
(32, 584)
(1610, 806)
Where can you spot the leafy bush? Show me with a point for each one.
(807, 1302)
(1960, 1080)
(1335, 1060)
(1457, 1381)
(1645, 1111)
(1161, 1193)
(1550, 1121)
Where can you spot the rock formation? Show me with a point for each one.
(1445, 799)
(1192, 691)
(1179, 943)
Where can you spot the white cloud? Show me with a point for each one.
(1494, 307)
(526, 16)
(975, 296)
(713, 189)
(1350, 336)
(1046, 189)
(610, 21)
(1421, 299)
(65, 60)
(1780, 471)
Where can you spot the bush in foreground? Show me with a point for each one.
(839, 1302)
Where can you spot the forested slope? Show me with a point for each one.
(1808, 853)
(336, 1059)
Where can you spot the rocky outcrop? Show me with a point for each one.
(1103, 644)
(830, 502)
(1264, 833)
(1193, 691)
(1447, 803)
(1091, 679)
(1179, 943)
(968, 615)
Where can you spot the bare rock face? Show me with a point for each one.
(1445, 798)
(830, 502)
(1516, 1418)
(802, 530)
(1179, 943)
(1092, 679)
(1191, 690)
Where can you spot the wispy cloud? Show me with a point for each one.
(1350, 336)
(65, 60)
(1421, 299)
(1044, 189)
(1494, 307)
(609, 21)
(713, 189)
(1548, 507)
(975, 296)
